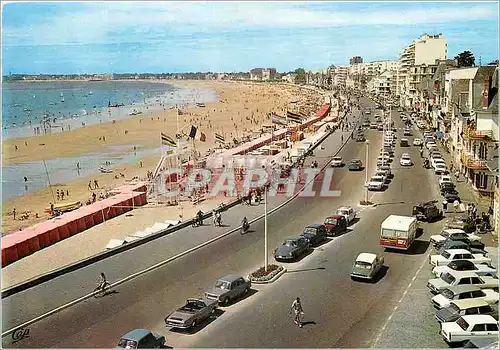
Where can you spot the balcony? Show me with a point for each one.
(472, 163)
(481, 135)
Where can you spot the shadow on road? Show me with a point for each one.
(381, 274)
(354, 221)
(243, 297)
(322, 243)
(307, 323)
(305, 270)
(218, 312)
(418, 247)
(390, 203)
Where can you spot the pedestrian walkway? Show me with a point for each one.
(468, 195)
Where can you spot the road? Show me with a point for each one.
(352, 312)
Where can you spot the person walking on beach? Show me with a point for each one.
(90, 185)
(14, 213)
(96, 184)
(51, 208)
(297, 309)
(58, 195)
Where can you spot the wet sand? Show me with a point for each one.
(242, 108)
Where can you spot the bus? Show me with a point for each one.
(398, 232)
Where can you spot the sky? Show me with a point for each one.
(119, 37)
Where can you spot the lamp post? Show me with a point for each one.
(367, 143)
(265, 229)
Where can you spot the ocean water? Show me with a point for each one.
(67, 104)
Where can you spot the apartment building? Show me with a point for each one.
(262, 73)
(418, 61)
(340, 75)
(383, 84)
(355, 60)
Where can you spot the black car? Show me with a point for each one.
(452, 244)
(355, 165)
(427, 211)
(291, 249)
(462, 238)
(315, 233)
(451, 197)
(449, 190)
(360, 138)
(446, 186)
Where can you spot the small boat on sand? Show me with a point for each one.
(105, 170)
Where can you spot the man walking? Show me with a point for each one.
(297, 309)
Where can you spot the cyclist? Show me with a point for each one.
(101, 281)
(199, 217)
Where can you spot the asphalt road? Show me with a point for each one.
(145, 301)
(339, 313)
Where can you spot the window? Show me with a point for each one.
(472, 311)
(446, 255)
(467, 256)
(476, 280)
(478, 294)
(465, 280)
(462, 323)
(479, 328)
(491, 327)
(485, 309)
(464, 295)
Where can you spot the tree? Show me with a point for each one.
(300, 78)
(465, 59)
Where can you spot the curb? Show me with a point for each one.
(278, 275)
(367, 205)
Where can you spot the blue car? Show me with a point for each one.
(141, 339)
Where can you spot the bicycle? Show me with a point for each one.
(101, 290)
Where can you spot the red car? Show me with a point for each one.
(335, 224)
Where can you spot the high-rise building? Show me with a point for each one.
(356, 59)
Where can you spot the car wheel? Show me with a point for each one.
(193, 325)
(227, 301)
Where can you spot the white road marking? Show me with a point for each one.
(377, 338)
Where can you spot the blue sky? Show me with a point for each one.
(99, 37)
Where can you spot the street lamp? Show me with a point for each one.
(265, 229)
(367, 143)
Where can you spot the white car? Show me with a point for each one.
(448, 232)
(382, 173)
(457, 254)
(337, 162)
(440, 169)
(376, 183)
(470, 327)
(445, 178)
(437, 161)
(417, 142)
(466, 292)
(348, 212)
(479, 269)
(455, 278)
(405, 160)
(430, 145)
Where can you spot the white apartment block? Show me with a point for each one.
(418, 60)
(383, 84)
(340, 75)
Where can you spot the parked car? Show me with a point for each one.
(376, 183)
(228, 288)
(407, 132)
(366, 266)
(451, 197)
(440, 169)
(448, 232)
(381, 173)
(355, 165)
(417, 142)
(348, 212)
(141, 339)
(314, 234)
(464, 223)
(453, 243)
(360, 138)
(373, 126)
(455, 278)
(337, 162)
(470, 327)
(404, 143)
(457, 254)
(465, 265)
(437, 161)
(405, 160)
(195, 310)
(385, 168)
(427, 211)
(291, 249)
(465, 307)
(335, 224)
(450, 294)
(445, 178)
(430, 145)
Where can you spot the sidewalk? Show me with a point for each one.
(467, 195)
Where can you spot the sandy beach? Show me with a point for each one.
(242, 109)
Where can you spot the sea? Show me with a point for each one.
(54, 106)
(63, 105)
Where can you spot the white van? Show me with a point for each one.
(398, 232)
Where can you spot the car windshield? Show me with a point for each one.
(127, 344)
(448, 278)
(342, 212)
(363, 265)
(462, 323)
(337, 158)
(331, 221)
(222, 284)
(454, 308)
(290, 243)
(447, 293)
(310, 230)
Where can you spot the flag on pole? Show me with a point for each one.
(219, 138)
(203, 137)
(167, 140)
(276, 119)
